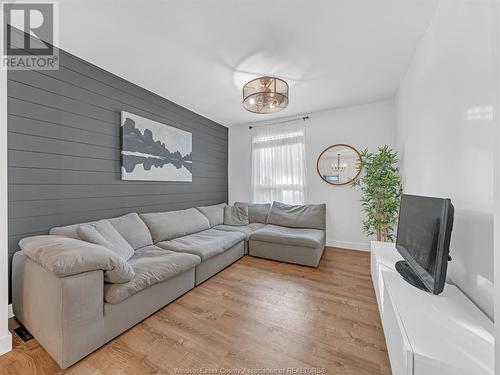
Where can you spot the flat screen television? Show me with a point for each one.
(423, 240)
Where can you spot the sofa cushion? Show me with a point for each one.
(169, 225)
(130, 226)
(104, 234)
(246, 229)
(133, 229)
(69, 230)
(214, 214)
(298, 216)
(206, 244)
(236, 215)
(151, 265)
(64, 256)
(257, 212)
(304, 237)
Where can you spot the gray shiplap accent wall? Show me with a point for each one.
(64, 150)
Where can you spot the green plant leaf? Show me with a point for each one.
(381, 189)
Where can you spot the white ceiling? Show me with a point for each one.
(200, 53)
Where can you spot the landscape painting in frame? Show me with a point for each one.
(152, 151)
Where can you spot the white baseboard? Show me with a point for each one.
(10, 312)
(361, 246)
(5, 343)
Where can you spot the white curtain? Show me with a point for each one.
(278, 163)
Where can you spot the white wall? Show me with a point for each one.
(497, 191)
(5, 337)
(363, 126)
(445, 134)
(497, 220)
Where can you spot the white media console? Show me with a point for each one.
(429, 334)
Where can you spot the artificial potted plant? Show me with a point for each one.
(381, 190)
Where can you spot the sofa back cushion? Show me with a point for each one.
(133, 229)
(130, 226)
(169, 225)
(69, 230)
(104, 234)
(214, 214)
(298, 216)
(257, 212)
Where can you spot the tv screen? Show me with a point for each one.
(423, 239)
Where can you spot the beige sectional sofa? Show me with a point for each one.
(83, 284)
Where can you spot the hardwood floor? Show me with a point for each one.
(256, 314)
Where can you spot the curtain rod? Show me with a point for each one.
(303, 118)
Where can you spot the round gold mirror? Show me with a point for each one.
(339, 164)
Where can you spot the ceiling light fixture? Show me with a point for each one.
(265, 95)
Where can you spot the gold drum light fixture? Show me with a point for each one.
(265, 95)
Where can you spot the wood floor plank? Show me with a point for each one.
(254, 314)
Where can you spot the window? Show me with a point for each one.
(278, 164)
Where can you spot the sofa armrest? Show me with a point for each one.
(64, 256)
(66, 315)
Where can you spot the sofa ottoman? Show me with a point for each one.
(293, 234)
(292, 245)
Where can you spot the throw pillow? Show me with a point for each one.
(235, 215)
